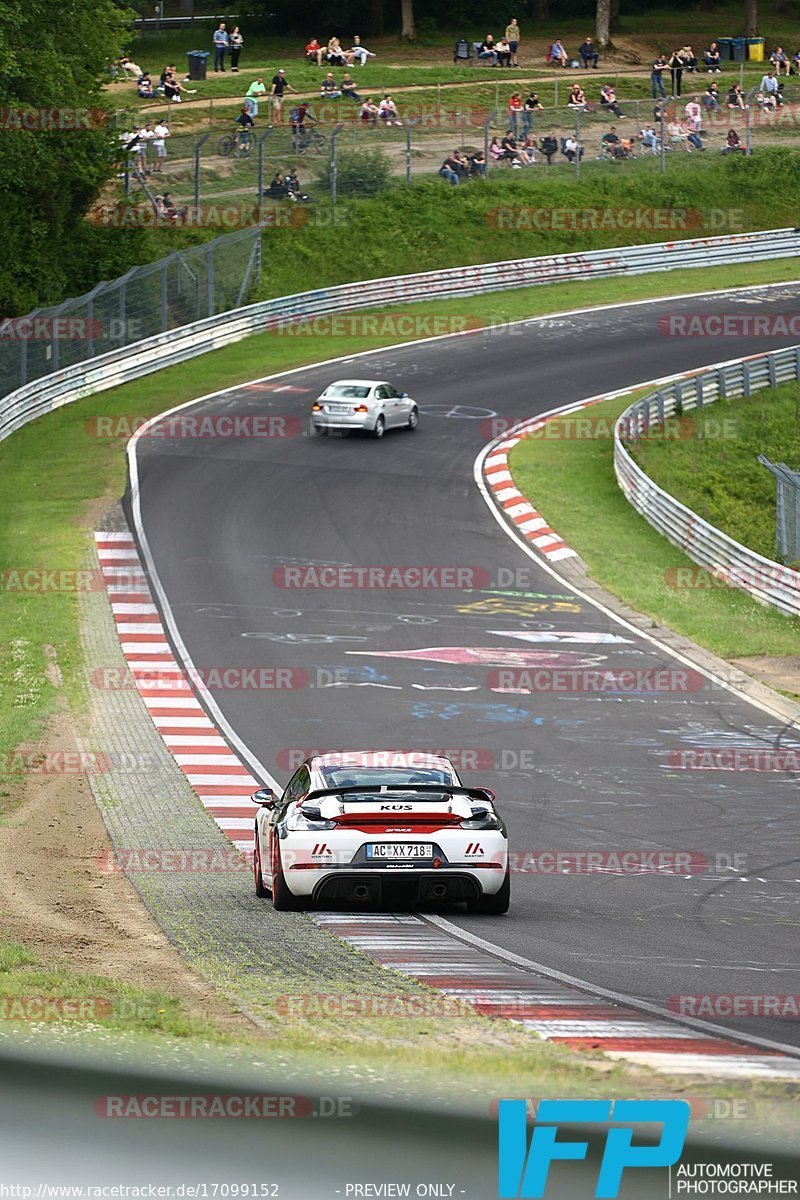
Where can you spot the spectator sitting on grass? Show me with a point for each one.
(689, 58)
(387, 111)
(477, 163)
(451, 168)
(488, 50)
(549, 146)
(349, 88)
(293, 189)
(329, 89)
(369, 111)
(608, 100)
(314, 52)
(336, 55)
(530, 146)
(577, 97)
(144, 86)
(558, 54)
(778, 59)
(771, 88)
(795, 68)
(513, 151)
(711, 58)
(277, 187)
(588, 53)
(732, 143)
(649, 139)
(503, 49)
(359, 53)
(693, 137)
(711, 98)
(694, 115)
(736, 98)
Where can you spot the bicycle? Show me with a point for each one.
(308, 138)
(239, 142)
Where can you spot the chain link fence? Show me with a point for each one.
(186, 286)
(212, 170)
(787, 510)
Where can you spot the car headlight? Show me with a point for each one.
(482, 818)
(297, 820)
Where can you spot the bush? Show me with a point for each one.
(358, 173)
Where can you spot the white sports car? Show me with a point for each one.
(379, 827)
(369, 404)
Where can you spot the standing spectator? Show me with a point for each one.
(514, 110)
(488, 50)
(588, 53)
(253, 94)
(145, 137)
(608, 100)
(279, 86)
(160, 135)
(221, 44)
(237, 41)
(314, 52)
(711, 59)
(369, 112)
(359, 53)
(349, 88)
(512, 37)
(694, 115)
(329, 89)
(531, 104)
(387, 111)
(657, 76)
(558, 54)
(676, 65)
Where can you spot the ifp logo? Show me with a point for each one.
(523, 1170)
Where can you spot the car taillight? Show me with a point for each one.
(361, 408)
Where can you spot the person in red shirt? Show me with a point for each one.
(314, 52)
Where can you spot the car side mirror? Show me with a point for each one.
(404, 396)
(265, 797)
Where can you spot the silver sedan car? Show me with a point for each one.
(370, 404)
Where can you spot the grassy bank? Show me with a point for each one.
(709, 461)
(54, 477)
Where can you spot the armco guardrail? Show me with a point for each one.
(768, 581)
(177, 345)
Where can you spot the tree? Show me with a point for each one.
(603, 31)
(409, 30)
(58, 145)
(750, 18)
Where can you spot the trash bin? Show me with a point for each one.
(197, 63)
(739, 49)
(755, 49)
(725, 48)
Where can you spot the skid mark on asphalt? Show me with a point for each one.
(410, 945)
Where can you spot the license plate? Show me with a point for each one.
(401, 850)
(338, 408)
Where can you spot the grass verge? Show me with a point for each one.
(709, 461)
(571, 482)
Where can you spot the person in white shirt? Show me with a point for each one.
(694, 115)
(387, 111)
(360, 53)
(145, 137)
(160, 135)
(771, 87)
(130, 67)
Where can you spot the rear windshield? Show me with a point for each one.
(376, 776)
(347, 391)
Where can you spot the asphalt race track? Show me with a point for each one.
(412, 668)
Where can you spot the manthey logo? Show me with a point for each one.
(474, 850)
(524, 1169)
(322, 850)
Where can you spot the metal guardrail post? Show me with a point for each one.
(492, 117)
(663, 135)
(747, 129)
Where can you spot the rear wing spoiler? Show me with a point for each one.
(383, 789)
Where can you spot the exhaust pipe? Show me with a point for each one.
(361, 891)
(439, 890)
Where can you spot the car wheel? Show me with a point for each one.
(258, 879)
(413, 419)
(492, 906)
(380, 427)
(282, 899)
